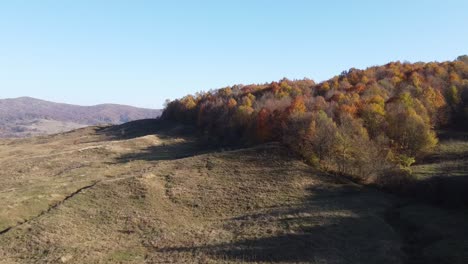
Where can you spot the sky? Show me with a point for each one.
(143, 52)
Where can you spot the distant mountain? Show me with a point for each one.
(26, 116)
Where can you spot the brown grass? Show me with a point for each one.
(151, 199)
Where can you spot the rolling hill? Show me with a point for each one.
(26, 116)
(136, 193)
(286, 172)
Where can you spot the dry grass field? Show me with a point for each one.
(125, 194)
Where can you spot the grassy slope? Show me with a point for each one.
(91, 196)
(449, 159)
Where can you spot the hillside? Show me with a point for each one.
(25, 116)
(368, 124)
(367, 167)
(138, 193)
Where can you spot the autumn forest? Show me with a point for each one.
(367, 124)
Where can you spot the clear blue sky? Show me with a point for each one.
(142, 52)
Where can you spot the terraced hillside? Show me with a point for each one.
(134, 194)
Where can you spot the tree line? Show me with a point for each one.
(363, 123)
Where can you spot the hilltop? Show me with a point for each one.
(368, 124)
(26, 116)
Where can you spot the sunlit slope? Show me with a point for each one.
(115, 195)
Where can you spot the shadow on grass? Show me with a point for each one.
(453, 145)
(313, 245)
(144, 127)
(169, 151)
(166, 131)
(442, 178)
(446, 135)
(446, 157)
(446, 191)
(445, 169)
(342, 224)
